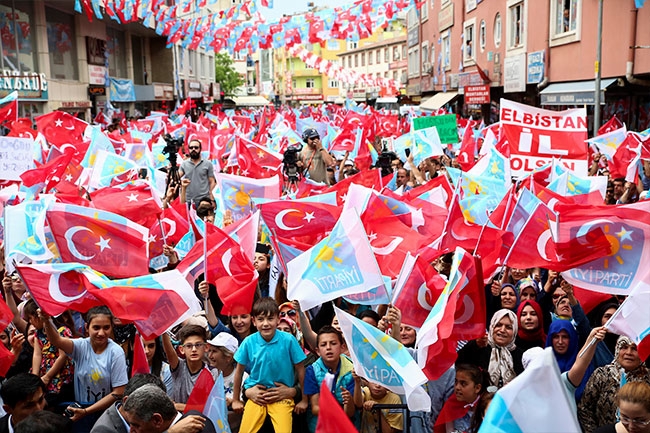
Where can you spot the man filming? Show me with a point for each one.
(200, 174)
(315, 158)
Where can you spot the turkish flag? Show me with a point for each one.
(200, 392)
(611, 125)
(49, 173)
(307, 222)
(344, 140)
(60, 128)
(109, 243)
(469, 319)
(418, 291)
(331, 417)
(135, 202)
(175, 226)
(140, 365)
(9, 112)
(227, 267)
(451, 411)
(367, 178)
(386, 125)
(467, 154)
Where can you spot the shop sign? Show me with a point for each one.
(469, 79)
(535, 67)
(446, 17)
(477, 95)
(96, 51)
(514, 79)
(163, 92)
(75, 104)
(97, 75)
(96, 90)
(27, 84)
(413, 37)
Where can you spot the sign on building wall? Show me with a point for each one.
(96, 51)
(97, 75)
(514, 76)
(30, 85)
(446, 17)
(470, 5)
(535, 67)
(477, 95)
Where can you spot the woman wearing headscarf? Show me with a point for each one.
(599, 317)
(598, 404)
(531, 326)
(563, 338)
(500, 357)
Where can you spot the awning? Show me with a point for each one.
(438, 100)
(574, 93)
(250, 101)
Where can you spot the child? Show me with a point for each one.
(366, 397)
(273, 357)
(456, 415)
(186, 371)
(329, 347)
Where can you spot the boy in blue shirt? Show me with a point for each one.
(330, 347)
(272, 357)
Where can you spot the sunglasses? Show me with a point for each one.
(194, 147)
(291, 313)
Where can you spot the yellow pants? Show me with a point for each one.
(281, 413)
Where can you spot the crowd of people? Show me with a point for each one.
(73, 372)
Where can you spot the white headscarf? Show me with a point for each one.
(501, 367)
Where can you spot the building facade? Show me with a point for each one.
(537, 52)
(58, 60)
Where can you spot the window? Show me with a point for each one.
(294, 84)
(378, 56)
(426, 65)
(309, 83)
(352, 45)
(414, 61)
(386, 58)
(334, 84)
(404, 51)
(350, 62)
(370, 57)
(395, 75)
(482, 35)
(412, 18)
(497, 30)
(191, 56)
(446, 51)
(61, 43)
(424, 11)
(395, 54)
(363, 59)
(566, 16)
(24, 37)
(469, 50)
(516, 25)
(356, 60)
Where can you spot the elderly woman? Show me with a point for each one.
(598, 404)
(500, 357)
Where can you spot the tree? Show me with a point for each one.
(225, 74)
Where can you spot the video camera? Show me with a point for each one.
(290, 162)
(171, 148)
(385, 158)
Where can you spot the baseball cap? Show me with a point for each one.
(223, 339)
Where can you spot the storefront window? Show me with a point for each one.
(61, 44)
(18, 41)
(116, 47)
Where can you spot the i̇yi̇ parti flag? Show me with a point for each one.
(200, 392)
(383, 360)
(540, 383)
(632, 318)
(216, 409)
(341, 264)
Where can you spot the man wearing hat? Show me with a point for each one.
(315, 158)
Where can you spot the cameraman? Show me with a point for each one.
(200, 174)
(315, 158)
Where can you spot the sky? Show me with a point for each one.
(281, 7)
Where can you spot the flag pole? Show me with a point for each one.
(162, 231)
(611, 319)
(205, 262)
(480, 234)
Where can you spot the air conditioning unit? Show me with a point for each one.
(251, 90)
(427, 68)
(395, 57)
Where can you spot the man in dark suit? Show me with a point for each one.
(113, 419)
(22, 395)
(149, 410)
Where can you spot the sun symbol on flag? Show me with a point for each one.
(616, 241)
(474, 187)
(117, 167)
(326, 255)
(495, 168)
(240, 197)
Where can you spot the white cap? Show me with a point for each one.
(223, 339)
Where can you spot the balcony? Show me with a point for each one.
(306, 73)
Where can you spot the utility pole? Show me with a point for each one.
(599, 54)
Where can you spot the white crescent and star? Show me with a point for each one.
(422, 297)
(467, 313)
(132, 197)
(542, 241)
(388, 249)
(225, 260)
(279, 219)
(71, 245)
(55, 291)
